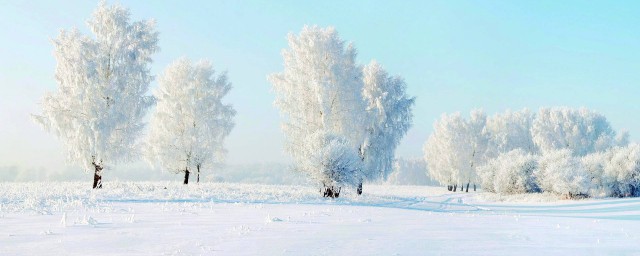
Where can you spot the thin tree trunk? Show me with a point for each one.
(198, 179)
(467, 187)
(97, 176)
(455, 187)
(474, 187)
(359, 190)
(186, 176)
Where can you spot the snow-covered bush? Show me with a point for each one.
(593, 165)
(561, 173)
(621, 174)
(332, 161)
(510, 173)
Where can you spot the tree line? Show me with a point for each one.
(564, 151)
(342, 120)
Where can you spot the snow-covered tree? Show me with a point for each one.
(581, 131)
(561, 173)
(510, 173)
(389, 119)
(510, 130)
(101, 100)
(320, 92)
(410, 172)
(456, 148)
(191, 122)
(615, 172)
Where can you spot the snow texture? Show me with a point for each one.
(215, 218)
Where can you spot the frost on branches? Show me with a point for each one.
(319, 95)
(191, 122)
(510, 173)
(509, 131)
(390, 117)
(567, 152)
(581, 131)
(98, 108)
(332, 110)
(456, 148)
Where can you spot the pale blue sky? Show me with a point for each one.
(454, 56)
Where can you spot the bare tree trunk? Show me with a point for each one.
(455, 187)
(359, 190)
(186, 176)
(331, 192)
(97, 176)
(467, 187)
(474, 187)
(198, 179)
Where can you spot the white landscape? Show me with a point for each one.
(164, 218)
(256, 128)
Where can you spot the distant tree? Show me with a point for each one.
(319, 94)
(191, 122)
(615, 172)
(561, 173)
(101, 100)
(410, 172)
(456, 148)
(580, 131)
(510, 130)
(510, 173)
(389, 119)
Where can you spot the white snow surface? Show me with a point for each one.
(164, 218)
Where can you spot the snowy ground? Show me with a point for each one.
(239, 219)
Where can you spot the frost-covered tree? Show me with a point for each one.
(320, 92)
(191, 122)
(101, 100)
(581, 131)
(510, 173)
(389, 119)
(615, 172)
(510, 130)
(561, 173)
(456, 148)
(410, 172)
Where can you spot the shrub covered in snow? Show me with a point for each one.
(622, 171)
(560, 173)
(331, 160)
(510, 173)
(568, 152)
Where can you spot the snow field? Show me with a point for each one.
(241, 219)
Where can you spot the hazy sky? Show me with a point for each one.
(454, 56)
